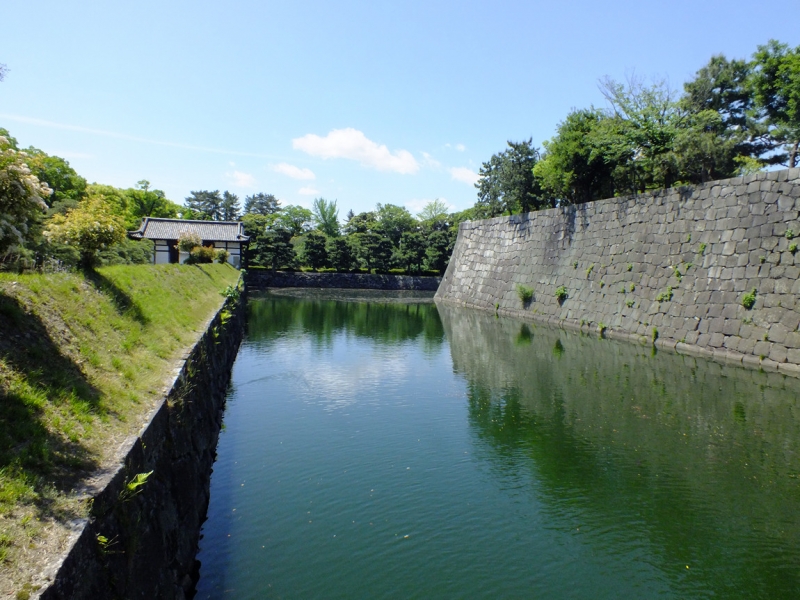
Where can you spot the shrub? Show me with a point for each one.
(525, 293)
(789, 234)
(561, 294)
(793, 248)
(188, 240)
(222, 256)
(749, 299)
(201, 254)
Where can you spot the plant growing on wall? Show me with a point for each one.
(665, 296)
(525, 294)
(749, 299)
(561, 294)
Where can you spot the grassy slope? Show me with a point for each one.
(83, 358)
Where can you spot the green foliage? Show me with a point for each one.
(434, 214)
(601, 329)
(749, 299)
(629, 267)
(633, 287)
(393, 221)
(326, 216)
(314, 252)
(702, 248)
(229, 207)
(340, 253)
(273, 248)
(561, 294)
(134, 487)
(507, 183)
(90, 227)
(793, 248)
(775, 83)
(222, 256)
(655, 334)
(589, 271)
(261, 204)
(789, 234)
(201, 255)
(525, 294)
(574, 168)
(411, 252)
(374, 250)
(630, 302)
(205, 205)
(665, 296)
(294, 219)
(439, 249)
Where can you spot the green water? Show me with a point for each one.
(405, 450)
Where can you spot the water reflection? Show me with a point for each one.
(680, 464)
(384, 317)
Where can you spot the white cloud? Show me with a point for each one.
(354, 145)
(464, 174)
(416, 205)
(308, 191)
(293, 172)
(430, 161)
(242, 180)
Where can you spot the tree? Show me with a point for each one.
(650, 119)
(434, 213)
(205, 205)
(261, 204)
(411, 251)
(229, 208)
(326, 216)
(145, 202)
(507, 183)
(340, 253)
(273, 248)
(3, 71)
(722, 136)
(294, 219)
(68, 187)
(90, 227)
(21, 198)
(439, 249)
(574, 168)
(393, 221)
(775, 83)
(314, 252)
(374, 250)
(360, 223)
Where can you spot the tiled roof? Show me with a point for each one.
(170, 229)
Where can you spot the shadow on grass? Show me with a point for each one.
(124, 304)
(33, 452)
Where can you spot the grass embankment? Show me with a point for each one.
(83, 358)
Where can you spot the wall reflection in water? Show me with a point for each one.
(696, 463)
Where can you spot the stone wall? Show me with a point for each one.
(672, 265)
(141, 542)
(262, 279)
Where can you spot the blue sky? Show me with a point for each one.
(359, 102)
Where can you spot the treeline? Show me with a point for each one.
(51, 217)
(735, 117)
(388, 238)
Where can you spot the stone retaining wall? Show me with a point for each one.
(141, 542)
(262, 279)
(672, 265)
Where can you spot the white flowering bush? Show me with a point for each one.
(21, 197)
(188, 241)
(91, 226)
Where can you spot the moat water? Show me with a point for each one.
(376, 449)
